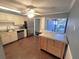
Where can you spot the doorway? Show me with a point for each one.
(37, 26)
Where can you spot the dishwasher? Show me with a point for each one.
(20, 34)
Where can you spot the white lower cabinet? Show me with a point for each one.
(8, 37)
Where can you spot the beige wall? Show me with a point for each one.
(73, 30)
(42, 24)
(61, 15)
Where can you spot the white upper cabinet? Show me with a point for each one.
(6, 17)
(19, 20)
(2, 17)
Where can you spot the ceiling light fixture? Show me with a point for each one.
(5, 8)
(30, 13)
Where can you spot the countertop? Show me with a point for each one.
(19, 29)
(11, 30)
(55, 36)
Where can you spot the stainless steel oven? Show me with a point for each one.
(20, 34)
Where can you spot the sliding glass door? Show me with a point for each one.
(57, 25)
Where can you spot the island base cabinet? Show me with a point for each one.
(54, 47)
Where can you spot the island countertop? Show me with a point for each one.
(55, 36)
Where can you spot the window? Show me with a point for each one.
(57, 25)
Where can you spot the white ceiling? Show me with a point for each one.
(43, 7)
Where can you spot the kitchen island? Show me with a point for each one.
(54, 44)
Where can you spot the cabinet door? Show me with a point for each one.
(5, 38)
(19, 20)
(8, 37)
(50, 46)
(59, 49)
(2, 17)
(43, 43)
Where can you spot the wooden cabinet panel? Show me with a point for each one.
(43, 43)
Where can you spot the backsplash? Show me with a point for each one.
(5, 26)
